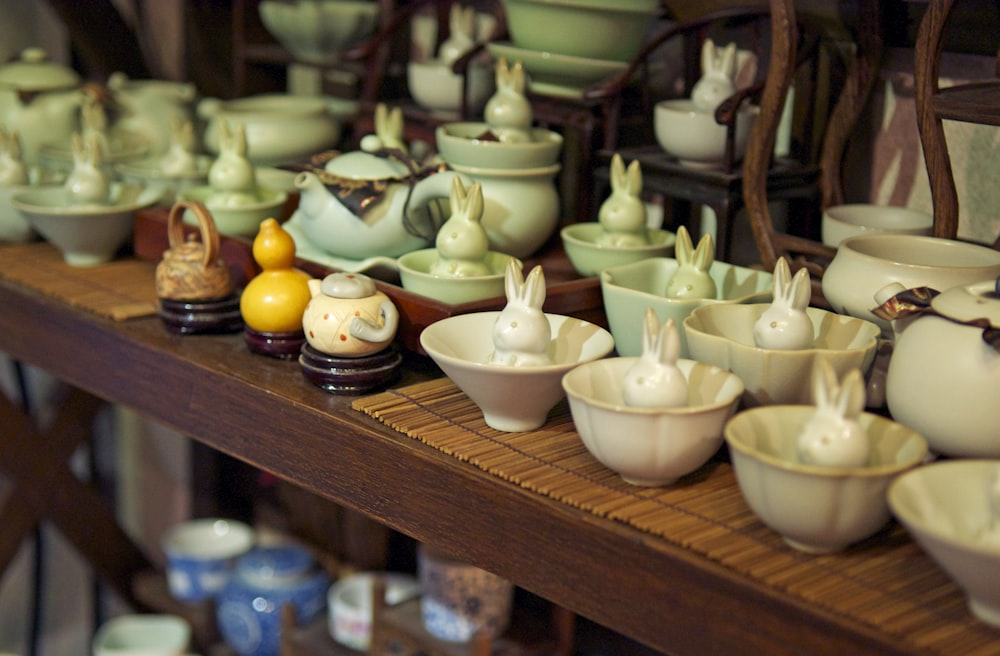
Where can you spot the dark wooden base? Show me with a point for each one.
(351, 375)
(284, 346)
(216, 316)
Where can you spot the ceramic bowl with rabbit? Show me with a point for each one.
(631, 288)
(241, 219)
(842, 221)
(694, 137)
(650, 446)
(150, 173)
(470, 143)
(723, 334)
(318, 31)
(589, 257)
(582, 28)
(951, 510)
(865, 264)
(817, 508)
(550, 73)
(415, 276)
(512, 398)
(437, 88)
(86, 234)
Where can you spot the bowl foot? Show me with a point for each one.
(988, 613)
(813, 548)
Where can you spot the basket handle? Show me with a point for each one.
(209, 233)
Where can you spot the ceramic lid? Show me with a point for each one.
(34, 71)
(970, 303)
(359, 165)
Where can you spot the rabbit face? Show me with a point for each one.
(87, 182)
(623, 214)
(692, 278)
(522, 334)
(655, 381)
(785, 325)
(716, 83)
(833, 437)
(508, 112)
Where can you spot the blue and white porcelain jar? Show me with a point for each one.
(267, 578)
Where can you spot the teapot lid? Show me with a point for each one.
(359, 165)
(977, 304)
(34, 71)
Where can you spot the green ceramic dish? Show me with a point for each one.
(590, 258)
(414, 274)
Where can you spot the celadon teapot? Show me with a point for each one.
(149, 108)
(40, 100)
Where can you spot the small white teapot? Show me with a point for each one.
(348, 316)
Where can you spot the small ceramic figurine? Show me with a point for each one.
(521, 334)
(273, 302)
(785, 324)
(833, 437)
(349, 327)
(13, 171)
(461, 34)
(508, 112)
(388, 131)
(718, 67)
(87, 183)
(692, 278)
(94, 123)
(655, 380)
(232, 176)
(180, 158)
(623, 214)
(462, 243)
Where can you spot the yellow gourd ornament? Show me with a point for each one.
(274, 300)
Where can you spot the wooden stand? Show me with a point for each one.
(351, 375)
(284, 346)
(220, 316)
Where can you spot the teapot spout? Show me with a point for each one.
(313, 193)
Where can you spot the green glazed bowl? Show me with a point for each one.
(590, 258)
(414, 274)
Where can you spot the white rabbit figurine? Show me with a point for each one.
(462, 243)
(833, 436)
(13, 172)
(508, 112)
(461, 34)
(655, 380)
(692, 278)
(717, 71)
(521, 334)
(87, 183)
(180, 158)
(623, 214)
(232, 177)
(388, 131)
(785, 325)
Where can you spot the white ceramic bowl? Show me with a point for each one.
(945, 507)
(694, 137)
(816, 509)
(511, 398)
(590, 258)
(202, 554)
(242, 220)
(87, 235)
(842, 221)
(142, 635)
(350, 601)
(437, 89)
(631, 288)
(549, 70)
(650, 446)
(415, 276)
(582, 28)
(318, 31)
(865, 264)
(462, 144)
(722, 334)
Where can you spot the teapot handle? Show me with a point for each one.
(209, 233)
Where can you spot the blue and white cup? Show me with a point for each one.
(201, 555)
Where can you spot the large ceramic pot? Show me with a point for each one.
(151, 107)
(248, 609)
(944, 372)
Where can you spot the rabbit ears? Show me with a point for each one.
(462, 21)
(686, 254)
(718, 62)
(662, 343)
(627, 181)
(10, 143)
(465, 203)
(845, 398)
(232, 139)
(796, 291)
(510, 78)
(388, 123)
(530, 292)
(85, 151)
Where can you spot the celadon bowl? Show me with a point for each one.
(438, 89)
(511, 398)
(142, 635)
(239, 220)
(842, 221)
(631, 288)
(317, 31)
(415, 276)
(590, 258)
(946, 507)
(722, 335)
(466, 144)
(650, 446)
(86, 235)
(694, 137)
(816, 509)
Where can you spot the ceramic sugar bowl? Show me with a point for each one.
(945, 367)
(266, 579)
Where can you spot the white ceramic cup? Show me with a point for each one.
(350, 601)
(142, 635)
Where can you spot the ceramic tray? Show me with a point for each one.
(568, 293)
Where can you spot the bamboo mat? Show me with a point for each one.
(120, 290)
(886, 582)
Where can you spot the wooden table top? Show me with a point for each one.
(264, 412)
